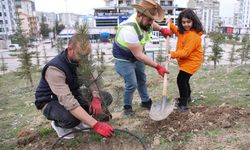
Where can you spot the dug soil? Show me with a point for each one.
(173, 129)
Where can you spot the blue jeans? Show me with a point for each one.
(134, 77)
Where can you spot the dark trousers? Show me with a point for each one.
(184, 86)
(63, 118)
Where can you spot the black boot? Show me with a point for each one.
(177, 101)
(147, 104)
(189, 100)
(128, 110)
(182, 105)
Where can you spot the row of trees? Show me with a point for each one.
(217, 50)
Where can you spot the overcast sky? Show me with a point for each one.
(85, 6)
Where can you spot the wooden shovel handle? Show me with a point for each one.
(165, 82)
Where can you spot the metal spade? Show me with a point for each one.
(161, 110)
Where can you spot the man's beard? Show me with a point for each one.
(145, 28)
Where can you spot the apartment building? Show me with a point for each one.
(7, 21)
(27, 12)
(117, 11)
(49, 18)
(208, 11)
(68, 19)
(236, 14)
(107, 18)
(244, 18)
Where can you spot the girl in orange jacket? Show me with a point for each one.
(188, 54)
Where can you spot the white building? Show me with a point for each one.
(236, 17)
(244, 19)
(106, 19)
(68, 19)
(7, 21)
(27, 13)
(208, 11)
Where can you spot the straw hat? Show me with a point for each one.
(151, 9)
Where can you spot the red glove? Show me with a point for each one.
(95, 106)
(103, 129)
(166, 32)
(161, 70)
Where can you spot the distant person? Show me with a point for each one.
(59, 98)
(188, 53)
(129, 51)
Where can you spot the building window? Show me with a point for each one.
(0, 14)
(6, 21)
(3, 6)
(1, 21)
(4, 14)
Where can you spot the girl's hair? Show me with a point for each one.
(189, 13)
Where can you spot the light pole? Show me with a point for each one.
(67, 26)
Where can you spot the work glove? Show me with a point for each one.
(95, 106)
(166, 32)
(103, 129)
(161, 70)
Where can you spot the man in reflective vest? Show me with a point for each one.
(128, 50)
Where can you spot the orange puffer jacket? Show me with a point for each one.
(189, 53)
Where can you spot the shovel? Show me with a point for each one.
(161, 110)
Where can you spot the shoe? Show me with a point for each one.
(182, 108)
(147, 104)
(177, 101)
(81, 126)
(128, 110)
(182, 104)
(62, 131)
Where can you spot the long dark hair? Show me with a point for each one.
(189, 13)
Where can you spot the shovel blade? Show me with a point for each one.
(161, 110)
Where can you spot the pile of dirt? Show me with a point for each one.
(196, 119)
(172, 128)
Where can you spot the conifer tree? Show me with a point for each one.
(45, 55)
(3, 65)
(88, 71)
(232, 55)
(217, 40)
(37, 57)
(244, 50)
(44, 28)
(59, 45)
(25, 56)
(159, 57)
(204, 48)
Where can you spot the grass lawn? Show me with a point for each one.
(225, 86)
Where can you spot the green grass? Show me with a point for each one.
(213, 133)
(44, 132)
(95, 137)
(230, 85)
